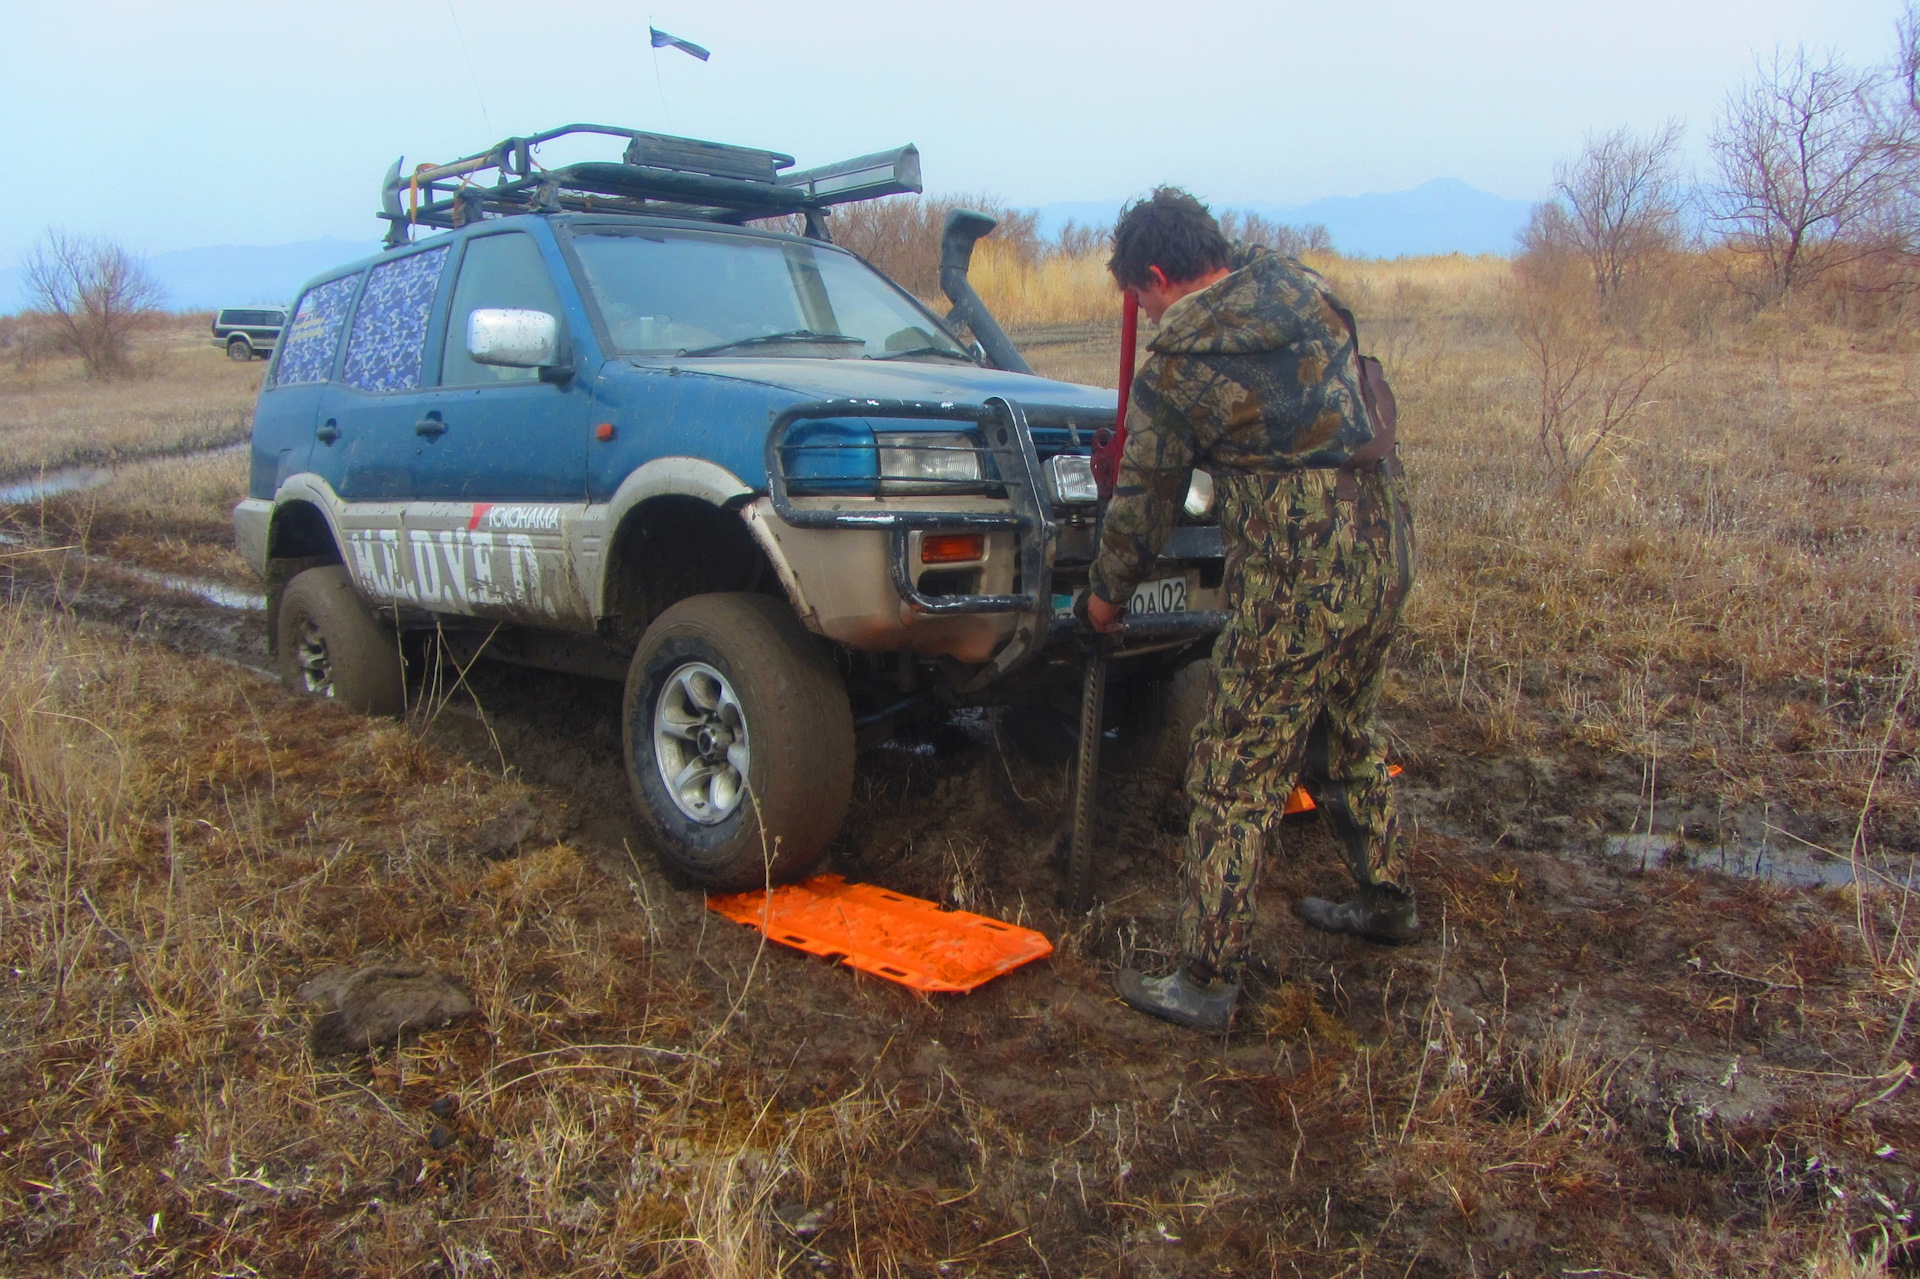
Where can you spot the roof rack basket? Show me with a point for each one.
(658, 174)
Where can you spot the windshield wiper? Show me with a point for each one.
(769, 339)
(922, 350)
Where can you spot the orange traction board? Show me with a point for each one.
(1301, 802)
(903, 939)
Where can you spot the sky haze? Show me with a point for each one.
(192, 124)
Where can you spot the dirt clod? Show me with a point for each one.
(374, 1005)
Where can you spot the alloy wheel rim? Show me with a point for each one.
(700, 743)
(316, 668)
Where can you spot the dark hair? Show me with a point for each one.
(1171, 230)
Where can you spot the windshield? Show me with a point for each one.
(669, 293)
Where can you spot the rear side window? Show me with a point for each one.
(390, 326)
(252, 319)
(306, 351)
(497, 271)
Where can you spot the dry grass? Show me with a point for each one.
(1723, 596)
(185, 396)
(181, 844)
(1588, 1070)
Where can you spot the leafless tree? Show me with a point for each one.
(95, 296)
(1249, 227)
(1811, 167)
(1077, 241)
(1907, 64)
(1621, 202)
(901, 234)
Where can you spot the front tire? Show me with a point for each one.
(331, 646)
(739, 741)
(239, 350)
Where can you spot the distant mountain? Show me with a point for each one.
(230, 275)
(1442, 216)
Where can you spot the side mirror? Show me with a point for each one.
(513, 338)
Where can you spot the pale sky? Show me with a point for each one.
(186, 124)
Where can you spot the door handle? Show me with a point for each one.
(328, 433)
(430, 426)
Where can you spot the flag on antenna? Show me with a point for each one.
(661, 40)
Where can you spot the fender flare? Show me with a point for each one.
(709, 482)
(305, 486)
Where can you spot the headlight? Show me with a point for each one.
(1071, 478)
(1199, 503)
(927, 461)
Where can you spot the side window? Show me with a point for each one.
(306, 349)
(390, 326)
(498, 270)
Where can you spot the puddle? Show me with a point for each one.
(1801, 867)
(78, 479)
(73, 479)
(216, 593)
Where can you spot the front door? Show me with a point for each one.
(499, 457)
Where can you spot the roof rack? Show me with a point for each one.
(658, 174)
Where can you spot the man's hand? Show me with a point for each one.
(1104, 617)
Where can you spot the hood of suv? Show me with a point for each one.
(905, 380)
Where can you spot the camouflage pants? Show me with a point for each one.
(1315, 584)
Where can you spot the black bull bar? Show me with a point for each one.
(1007, 441)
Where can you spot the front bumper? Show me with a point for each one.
(1014, 617)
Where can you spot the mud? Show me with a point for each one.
(20, 490)
(1724, 1017)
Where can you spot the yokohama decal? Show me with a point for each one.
(513, 519)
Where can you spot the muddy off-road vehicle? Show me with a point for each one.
(247, 331)
(600, 423)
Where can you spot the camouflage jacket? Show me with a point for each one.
(1254, 373)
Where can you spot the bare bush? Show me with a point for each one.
(1811, 168)
(1620, 202)
(1550, 253)
(1590, 384)
(901, 234)
(1076, 241)
(1251, 228)
(95, 294)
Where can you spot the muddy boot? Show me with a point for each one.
(1381, 913)
(1178, 998)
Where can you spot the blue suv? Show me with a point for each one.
(593, 421)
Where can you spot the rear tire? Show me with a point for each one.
(239, 350)
(739, 741)
(331, 646)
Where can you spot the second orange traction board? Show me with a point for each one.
(903, 939)
(1301, 802)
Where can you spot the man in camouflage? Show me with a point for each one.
(1254, 376)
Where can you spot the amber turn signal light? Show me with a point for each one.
(952, 548)
(603, 432)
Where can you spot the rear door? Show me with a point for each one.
(369, 415)
(288, 414)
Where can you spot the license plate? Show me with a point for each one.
(1162, 595)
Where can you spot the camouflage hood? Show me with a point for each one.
(1268, 303)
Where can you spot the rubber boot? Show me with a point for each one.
(1180, 999)
(1381, 913)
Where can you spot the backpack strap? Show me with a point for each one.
(1383, 413)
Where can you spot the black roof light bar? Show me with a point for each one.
(657, 174)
